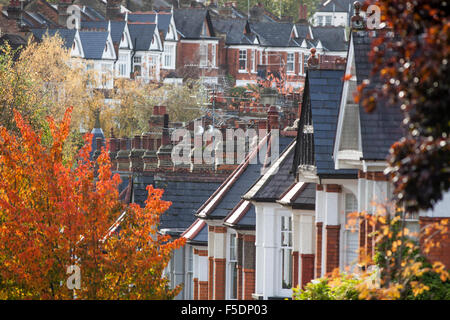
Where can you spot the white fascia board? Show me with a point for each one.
(205, 41)
(343, 102)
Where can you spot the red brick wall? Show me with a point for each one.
(295, 267)
(219, 278)
(318, 249)
(210, 278)
(249, 283)
(195, 280)
(307, 268)
(332, 248)
(203, 290)
(437, 253)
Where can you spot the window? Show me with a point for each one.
(233, 266)
(122, 65)
(213, 55)
(137, 65)
(253, 60)
(152, 61)
(319, 20)
(290, 65)
(203, 55)
(242, 59)
(328, 20)
(189, 273)
(169, 55)
(105, 75)
(286, 252)
(351, 234)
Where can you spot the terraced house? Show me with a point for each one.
(171, 43)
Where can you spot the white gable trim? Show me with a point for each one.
(350, 155)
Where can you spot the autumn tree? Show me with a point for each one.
(45, 81)
(135, 101)
(415, 73)
(56, 214)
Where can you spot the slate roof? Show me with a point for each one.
(332, 38)
(234, 31)
(197, 233)
(93, 43)
(272, 185)
(141, 35)
(163, 19)
(300, 195)
(321, 100)
(242, 217)
(246, 174)
(67, 35)
(189, 22)
(117, 28)
(303, 30)
(273, 34)
(186, 198)
(381, 128)
(339, 6)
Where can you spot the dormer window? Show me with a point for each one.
(106, 48)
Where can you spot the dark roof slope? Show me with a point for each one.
(241, 180)
(93, 43)
(332, 38)
(382, 127)
(67, 35)
(234, 31)
(189, 22)
(186, 198)
(141, 35)
(321, 100)
(274, 185)
(273, 34)
(163, 19)
(117, 28)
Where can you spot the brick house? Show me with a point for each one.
(198, 46)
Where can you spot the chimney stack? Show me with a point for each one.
(14, 9)
(113, 10)
(63, 5)
(313, 61)
(302, 13)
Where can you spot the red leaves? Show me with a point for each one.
(53, 216)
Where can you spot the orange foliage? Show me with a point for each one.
(54, 215)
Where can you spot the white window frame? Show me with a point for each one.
(285, 247)
(203, 53)
(290, 62)
(349, 231)
(242, 57)
(213, 55)
(253, 60)
(169, 55)
(232, 261)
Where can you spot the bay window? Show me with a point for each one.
(351, 234)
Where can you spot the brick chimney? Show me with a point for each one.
(302, 13)
(113, 148)
(113, 10)
(357, 22)
(313, 61)
(123, 155)
(136, 155)
(63, 5)
(14, 9)
(164, 152)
